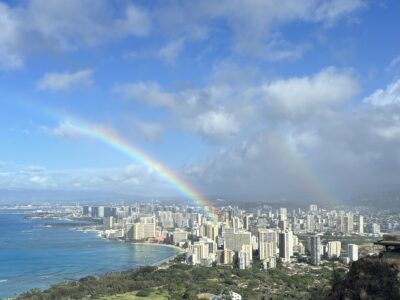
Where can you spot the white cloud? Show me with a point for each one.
(389, 133)
(383, 97)
(331, 11)
(301, 96)
(229, 105)
(9, 39)
(63, 129)
(65, 81)
(394, 63)
(39, 180)
(279, 50)
(65, 26)
(254, 23)
(70, 25)
(136, 22)
(216, 124)
(147, 92)
(170, 52)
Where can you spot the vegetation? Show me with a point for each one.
(370, 278)
(180, 281)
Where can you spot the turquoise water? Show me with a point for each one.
(34, 256)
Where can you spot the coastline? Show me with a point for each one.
(181, 250)
(12, 293)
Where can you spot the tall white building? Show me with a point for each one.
(266, 250)
(244, 259)
(334, 249)
(283, 213)
(360, 224)
(352, 251)
(313, 208)
(242, 239)
(376, 228)
(229, 238)
(268, 235)
(310, 223)
(349, 224)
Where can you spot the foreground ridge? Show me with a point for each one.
(370, 278)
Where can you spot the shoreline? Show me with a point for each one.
(181, 250)
(95, 234)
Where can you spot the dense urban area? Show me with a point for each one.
(263, 252)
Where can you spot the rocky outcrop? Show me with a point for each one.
(370, 278)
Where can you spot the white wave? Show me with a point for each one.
(3, 280)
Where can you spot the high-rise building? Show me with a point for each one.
(376, 228)
(315, 249)
(266, 250)
(313, 208)
(141, 231)
(269, 263)
(286, 245)
(229, 238)
(283, 213)
(108, 222)
(340, 223)
(86, 210)
(283, 224)
(244, 259)
(242, 239)
(352, 251)
(98, 211)
(349, 224)
(334, 249)
(196, 252)
(268, 236)
(246, 222)
(310, 223)
(344, 223)
(228, 256)
(179, 236)
(360, 224)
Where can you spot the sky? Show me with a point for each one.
(251, 99)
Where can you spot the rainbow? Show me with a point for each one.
(304, 173)
(111, 138)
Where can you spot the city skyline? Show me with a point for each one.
(247, 99)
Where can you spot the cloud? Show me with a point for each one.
(65, 26)
(394, 64)
(9, 39)
(331, 11)
(351, 152)
(308, 95)
(384, 97)
(253, 24)
(229, 105)
(133, 178)
(147, 92)
(170, 52)
(313, 159)
(216, 124)
(65, 81)
(63, 129)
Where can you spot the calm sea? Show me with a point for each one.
(35, 256)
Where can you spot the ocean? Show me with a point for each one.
(35, 256)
